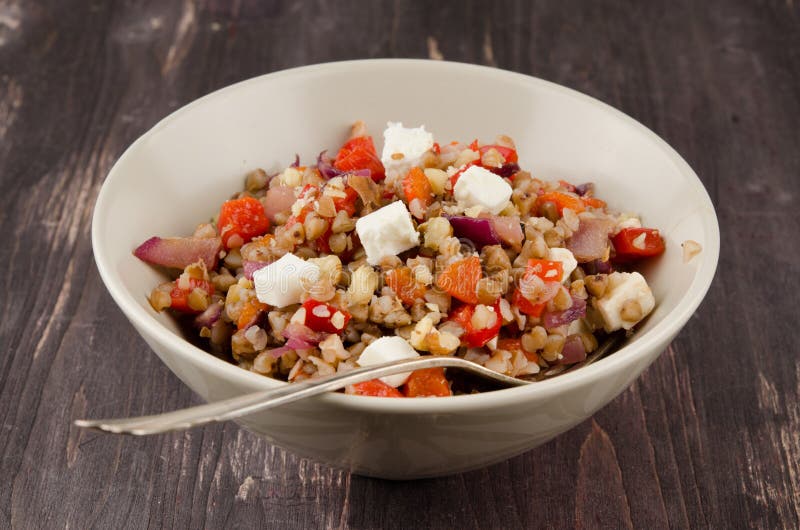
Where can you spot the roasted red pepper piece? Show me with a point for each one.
(460, 279)
(429, 382)
(325, 317)
(359, 153)
(240, 220)
(476, 337)
(508, 153)
(630, 245)
(179, 298)
(417, 187)
(375, 387)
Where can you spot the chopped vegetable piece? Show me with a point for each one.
(179, 298)
(429, 382)
(324, 317)
(417, 188)
(405, 286)
(593, 202)
(375, 388)
(480, 231)
(347, 203)
(547, 270)
(454, 178)
(508, 153)
(561, 200)
(178, 252)
(240, 220)
(637, 243)
(359, 153)
(460, 279)
(476, 337)
(249, 313)
(526, 306)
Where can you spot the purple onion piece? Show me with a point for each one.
(252, 266)
(361, 172)
(325, 166)
(506, 170)
(583, 189)
(573, 351)
(296, 162)
(303, 333)
(178, 252)
(478, 230)
(209, 317)
(598, 267)
(559, 318)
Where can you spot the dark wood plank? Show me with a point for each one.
(707, 437)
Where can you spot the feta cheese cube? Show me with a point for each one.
(387, 231)
(625, 287)
(281, 283)
(388, 349)
(478, 186)
(403, 148)
(567, 259)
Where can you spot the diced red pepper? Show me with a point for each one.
(436, 148)
(376, 388)
(474, 145)
(561, 200)
(460, 279)
(630, 245)
(417, 187)
(242, 217)
(508, 153)
(547, 270)
(348, 203)
(429, 382)
(179, 298)
(403, 283)
(476, 337)
(526, 306)
(457, 175)
(323, 317)
(359, 153)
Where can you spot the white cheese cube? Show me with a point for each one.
(403, 148)
(281, 283)
(387, 231)
(478, 186)
(388, 349)
(622, 287)
(567, 259)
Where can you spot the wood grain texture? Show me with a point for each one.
(709, 436)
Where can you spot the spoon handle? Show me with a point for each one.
(238, 406)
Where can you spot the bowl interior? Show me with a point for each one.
(178, 173)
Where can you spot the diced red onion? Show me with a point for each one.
(598, 267)
(178, 252)
(303, 333)
(559, 318)
(209, 317)
(573, 350)
(252, 266)
(278, 199)
(506, 170)
(583, 189)
(590, 241)
(362, 182)
(296, 162)
(325, 166)
(480, 231)
(508, 229)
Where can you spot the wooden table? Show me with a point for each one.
(709, 436)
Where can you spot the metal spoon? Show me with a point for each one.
(239, 406)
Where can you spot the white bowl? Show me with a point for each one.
(180, 171)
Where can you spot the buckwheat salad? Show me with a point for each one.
(428, 249)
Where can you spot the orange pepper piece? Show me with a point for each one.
(426, 383)
(403, 283)
(460, 279)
